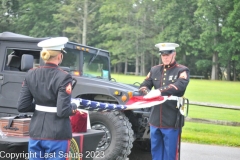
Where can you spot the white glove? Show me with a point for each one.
(153, 94)
(75, 101)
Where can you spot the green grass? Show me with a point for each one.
(214, 113)
(211, 134)
(129, 79)
(219, 92)
(224, 92)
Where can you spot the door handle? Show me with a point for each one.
(1, 77)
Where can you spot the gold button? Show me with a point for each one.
(163, 83)
(172, 80)
(164, 78)
(164, 74)
(164, 69)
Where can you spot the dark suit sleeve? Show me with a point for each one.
(147, 82)
(25, 101)
(64, 106)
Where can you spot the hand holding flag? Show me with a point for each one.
(153, 94)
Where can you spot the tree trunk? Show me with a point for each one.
(119, 67)
(234, 72)
(85, 17)
(136, 65)
(152, 60)
(143, 70)
(214, 75)
(184, 58)
(115, 68)
(137, 57)
(228, 71)
(125, 66)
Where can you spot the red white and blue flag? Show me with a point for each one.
(135, 102)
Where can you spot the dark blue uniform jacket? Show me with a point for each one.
(171, 80)
(47, 86)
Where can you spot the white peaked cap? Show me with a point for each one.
(53, 43)
(166, 46)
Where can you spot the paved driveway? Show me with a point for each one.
(190, 151)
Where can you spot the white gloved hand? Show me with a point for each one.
(75, 101)
(153, 94)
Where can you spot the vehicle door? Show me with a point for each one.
(11, 76)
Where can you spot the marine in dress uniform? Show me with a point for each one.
(46, 91)
(168, 79)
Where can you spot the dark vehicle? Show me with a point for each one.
(91, 68)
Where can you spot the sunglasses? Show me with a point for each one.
(167, 52)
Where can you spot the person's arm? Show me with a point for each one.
(177, 88)
(64, 106)
(25, 100)
(147, 84)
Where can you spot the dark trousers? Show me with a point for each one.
(48, 149)
(164, 143)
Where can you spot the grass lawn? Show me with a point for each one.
(219, 92)
(211, 134)
(224, 92)
(214, 113)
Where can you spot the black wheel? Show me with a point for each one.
(118, 139)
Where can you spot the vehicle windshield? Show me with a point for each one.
(94, 65)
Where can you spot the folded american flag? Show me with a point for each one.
(135, 102)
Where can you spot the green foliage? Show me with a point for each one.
(129, 29)
(37, 19)
(203, 65)
(8, 13)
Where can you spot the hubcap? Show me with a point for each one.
(106, 139)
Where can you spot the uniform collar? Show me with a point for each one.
(51, 64)
(170, 65)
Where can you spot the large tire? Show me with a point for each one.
(118, 139)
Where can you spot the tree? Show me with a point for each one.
(176, 23)
(231, 33)
(39, 21)
(75, 15)
(8, 14)
(117, 30)
(212, 16)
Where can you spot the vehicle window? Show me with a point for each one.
(14, 56)
(95, 66)
(71, 61)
